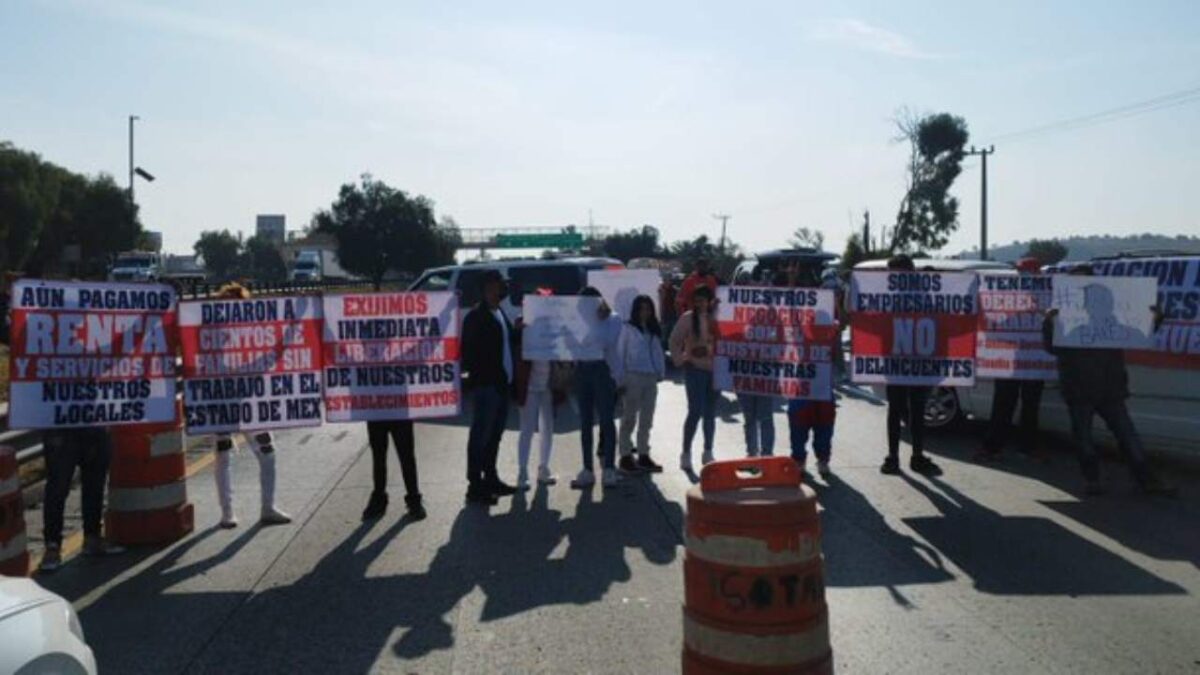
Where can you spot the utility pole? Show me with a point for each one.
(866, 235)
(724, 218)
(983, 210)
(132, 119)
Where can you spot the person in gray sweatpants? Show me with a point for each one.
(641, 364)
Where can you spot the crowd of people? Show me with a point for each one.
(634, 361)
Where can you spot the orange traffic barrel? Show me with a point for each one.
(147, 479)
(753, 574)
(14, 552)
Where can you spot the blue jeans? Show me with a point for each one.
(597, 394)
(702, 404)
(1116, 416)
(822, 441)
(758, 422)
(489, 415)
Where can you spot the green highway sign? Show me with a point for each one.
(555, 240)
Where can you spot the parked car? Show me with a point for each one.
(761, 268)
(40, 632)
(564, 276)
(1164, 402)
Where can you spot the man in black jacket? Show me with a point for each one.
(488, 364)
(1094, 381)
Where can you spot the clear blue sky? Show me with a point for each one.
(530, 113)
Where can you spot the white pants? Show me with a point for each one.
(537, 404)
(641, 396)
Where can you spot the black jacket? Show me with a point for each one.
(1089, 375)
(483, 348)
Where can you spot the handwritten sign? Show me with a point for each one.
(391, 356)
(775, 342)
(1009, 338)
(1104, 312)
(251, 364)
(1177, 342)
(561, 328)
(621, 287)
(91, 354)
(913, 328)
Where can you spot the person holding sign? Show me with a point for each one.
(89, 448)
(401, 432)
(1094, 381)
(540, 386)
(693, 344)
(640, 353)
(488, 366)
(596, 390)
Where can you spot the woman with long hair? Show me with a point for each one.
(643, 364)
(693, 343)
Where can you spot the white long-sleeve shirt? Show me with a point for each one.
(639, 352)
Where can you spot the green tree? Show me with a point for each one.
(636, 243)
(262, 261)
(928, 215)
(1046, 251)
(687, 252)
(804, 237)
(222, 253)
(380, 229)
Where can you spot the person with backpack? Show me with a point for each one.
(643, 365)
(693, 344)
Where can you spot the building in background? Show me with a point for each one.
(272, 227)
(153, 241)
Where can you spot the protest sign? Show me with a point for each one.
(91, 354)
(251, 364)
(561, 328)
(391, 356)
(775, 342)
(620, 287)
(1177, 342)
(1009, 338)
(913, 328)
(1103, 312)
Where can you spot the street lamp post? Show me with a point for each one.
(134, 171)
(983, 210)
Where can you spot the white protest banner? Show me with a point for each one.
(1104, 312)
(620, 287)
(913, 328)
(251, 364)
(91, 354)
(1177, 342)
(561, 328)
(1009, 339)
(775, 342)
(391, 356)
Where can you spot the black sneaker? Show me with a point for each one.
(415, 510)
(376, 506)
(628, 465)
(891, 466)
(924, 466)
(646, 464)
(501, 489)
(481, 496)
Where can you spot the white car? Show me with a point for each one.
(40, 632)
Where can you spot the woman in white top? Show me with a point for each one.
(643, 364)
(537, 400)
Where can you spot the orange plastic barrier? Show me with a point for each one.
(147, 498)
(753, 574)
(14, 552)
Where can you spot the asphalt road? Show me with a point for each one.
(989, 569)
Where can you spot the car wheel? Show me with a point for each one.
(942, 409)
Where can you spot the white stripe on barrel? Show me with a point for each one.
(148, 498)
(725, 549)
(787, 649)
(166, 443)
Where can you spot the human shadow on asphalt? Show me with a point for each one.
(1024, 555)
(861, 549)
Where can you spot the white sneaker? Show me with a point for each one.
(545, 477)
(273, 516)
(823, 469)
(228, 521)
(609, 478)
(707, 458)
(685, 462)
(523, 480)
(585, 479)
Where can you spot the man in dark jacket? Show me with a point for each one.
(488, 364)
(1094, 381)
(89, 448)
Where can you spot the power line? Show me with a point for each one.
(1155, 104)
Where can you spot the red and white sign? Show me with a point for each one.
(251, 364)
(91, 354)
(1009, 340)
(913, 328)
(775, 342)
(391, 356)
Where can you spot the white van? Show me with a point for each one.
(563, 276)
(1164, 402)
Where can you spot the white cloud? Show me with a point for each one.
(858, 34)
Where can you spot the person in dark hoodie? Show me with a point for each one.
(1095, 381)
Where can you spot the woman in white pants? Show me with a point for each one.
(265, 452)
(643, 364)
(537, 400)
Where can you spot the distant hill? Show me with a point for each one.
(1085, 248)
